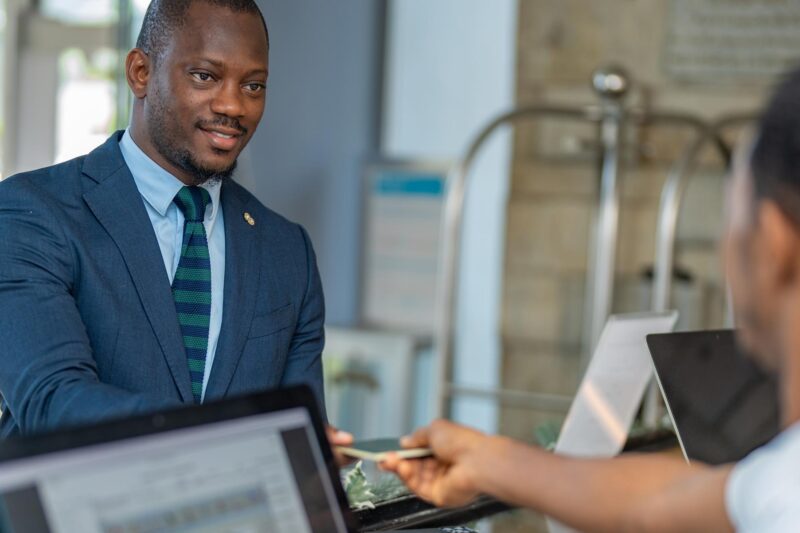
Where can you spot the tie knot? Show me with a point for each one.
(192, 201)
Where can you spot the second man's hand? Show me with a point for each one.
(450, 477)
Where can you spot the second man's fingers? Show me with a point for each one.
(408, 471)
(390, 462)
(417, 439)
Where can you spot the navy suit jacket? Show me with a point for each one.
(88, 328)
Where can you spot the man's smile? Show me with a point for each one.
(222, 138)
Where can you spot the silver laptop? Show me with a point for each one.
(611, 390)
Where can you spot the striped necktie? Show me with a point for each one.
(191, 287)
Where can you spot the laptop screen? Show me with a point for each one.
(722, 405)
(257, 473)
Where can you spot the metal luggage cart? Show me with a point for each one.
(611, 117)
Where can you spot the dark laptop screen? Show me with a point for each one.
(723, 406)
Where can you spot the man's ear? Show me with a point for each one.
(780, 244)
(137, 71)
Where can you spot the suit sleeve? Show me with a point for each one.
(304, 363)
(48, 375)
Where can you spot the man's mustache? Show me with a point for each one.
(225, 122)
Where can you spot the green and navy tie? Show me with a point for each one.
(191, 287)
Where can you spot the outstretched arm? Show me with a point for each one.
(48, 374)
(634, 492)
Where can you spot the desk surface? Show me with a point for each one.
(409, 511)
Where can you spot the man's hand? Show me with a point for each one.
(636, 492)
(336, 438)
(449, 478)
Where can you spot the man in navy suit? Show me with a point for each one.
(140, 276)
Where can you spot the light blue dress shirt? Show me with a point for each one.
(158, 188)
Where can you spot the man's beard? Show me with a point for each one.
(181, 158)
(185, 160)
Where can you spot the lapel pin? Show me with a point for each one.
(249, 218)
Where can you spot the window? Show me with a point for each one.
(68, 90)
(81, 12)
(86, 101)
(138, 7)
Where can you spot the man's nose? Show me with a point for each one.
(228, 100)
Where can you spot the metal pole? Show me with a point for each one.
(534, 400)
(672, 197)
(611, 84)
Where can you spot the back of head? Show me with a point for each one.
(775, 159)
(164, 17)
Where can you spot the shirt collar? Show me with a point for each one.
(157, 186)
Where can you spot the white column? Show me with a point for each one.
(450, 67)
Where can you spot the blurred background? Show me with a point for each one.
(372, 104)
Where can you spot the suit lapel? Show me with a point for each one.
(242, 260)
(116, 203)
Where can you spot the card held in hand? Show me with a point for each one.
(377, 450)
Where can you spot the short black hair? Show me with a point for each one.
(164, 17)
(775, 157)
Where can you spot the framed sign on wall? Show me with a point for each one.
(402, 219)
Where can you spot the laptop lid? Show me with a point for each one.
(722, 405)
(611, 390)
(251, 464)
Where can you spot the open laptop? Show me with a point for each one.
(722, 405)
(611, 390)
(248, 465)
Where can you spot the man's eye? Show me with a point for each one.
(202, 76)
(255, 87)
